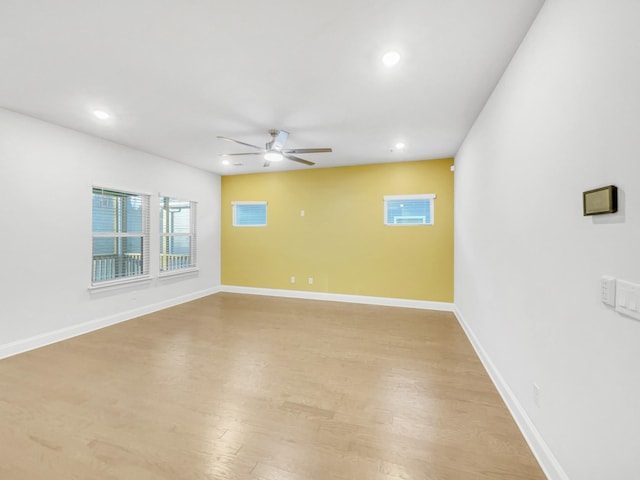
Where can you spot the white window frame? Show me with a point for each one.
(266, 213)
(165, 268)
(422, 196)
(145, 244)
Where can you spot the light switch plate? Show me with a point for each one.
(608, 290)
(628, 298)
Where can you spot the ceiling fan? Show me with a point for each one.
(274, 150)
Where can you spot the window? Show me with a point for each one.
(120, 223)
(409, 209)
(177, 235)
(249, 214)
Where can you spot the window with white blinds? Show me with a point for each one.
(177, 235)
(409, 209)
(249, 214)
(120, 224)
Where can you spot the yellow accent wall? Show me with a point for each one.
(341, 241)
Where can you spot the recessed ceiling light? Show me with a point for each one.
(101, 114)
(400, 146)
(390, 58)
(226, 162)
(273, 156)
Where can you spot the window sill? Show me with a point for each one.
(408, 224)
(114, 284)
(175, 273)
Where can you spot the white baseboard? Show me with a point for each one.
(48, 338)
(339, 297)
(550, 465)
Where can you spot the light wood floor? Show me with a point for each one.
(248, 387)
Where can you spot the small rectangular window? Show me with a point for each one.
(409, 209)
(249, 214)
(120, 225)
(177, 235)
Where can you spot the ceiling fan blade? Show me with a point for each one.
(236, 154)
(299, 160)
(308, 150)
(279, 140)
(241, 143)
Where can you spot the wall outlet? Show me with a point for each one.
(302, 213)
(608, 290)
(310, 280)
(293, 279)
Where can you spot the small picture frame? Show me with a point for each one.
(600, 200)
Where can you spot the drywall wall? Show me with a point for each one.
(563, 119)
(46, 176)
(341, 241)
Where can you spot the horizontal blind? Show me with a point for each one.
(177, 234)
(408, 209)
(249, 214)
(120, 226)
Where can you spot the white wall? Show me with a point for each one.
(46, 176)
(565, 118)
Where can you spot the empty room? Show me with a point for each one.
(320, 240)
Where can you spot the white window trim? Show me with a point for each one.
(423, 222)
(146, 237)
(248, 202)
(113, 284)
(175, 273)
(420, 196)
(192, 234)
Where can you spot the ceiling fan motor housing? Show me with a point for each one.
(279, 137)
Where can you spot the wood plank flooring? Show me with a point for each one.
(247, 387)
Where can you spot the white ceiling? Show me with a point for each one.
(176, 73)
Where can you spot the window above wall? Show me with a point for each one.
(249, 214)
(409, 209)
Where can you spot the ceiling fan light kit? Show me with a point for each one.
(274, 150)
(273, 156)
